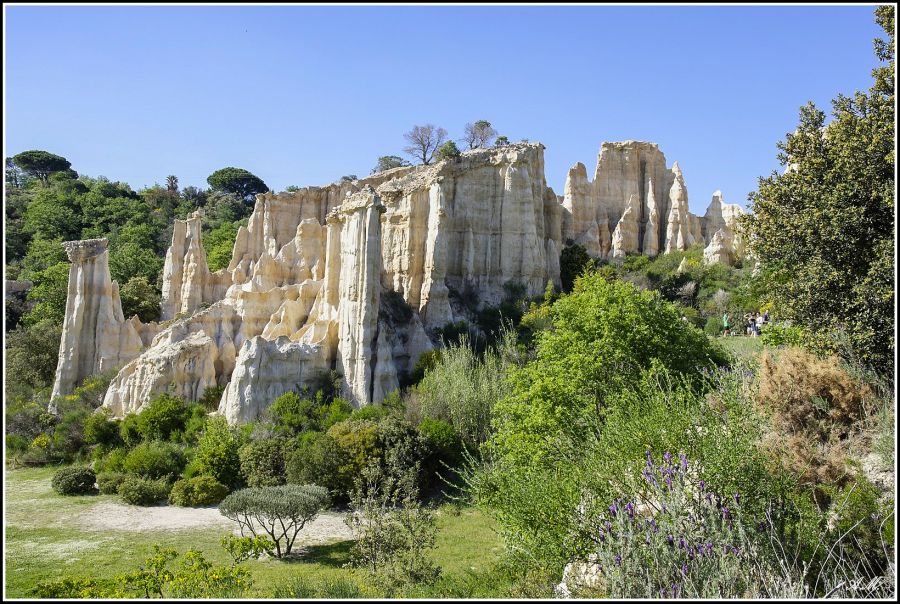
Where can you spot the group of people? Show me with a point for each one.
(753, 322)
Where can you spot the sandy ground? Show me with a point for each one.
(325, 528)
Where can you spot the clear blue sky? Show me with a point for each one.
(303, 95)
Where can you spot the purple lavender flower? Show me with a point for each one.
(702, 485)
(736, 550)
(649, 458)
(684, 569)
(709, 548)
(629, 507)
(670, 539)
(618, 560)
(667, 457)
(709, 498)
(602, 535)
(669, 482)
(684, 463)
(682, 543)
(675, 590)
(737, 498)
(653, 525)
(614, 509)
(608, 526)
(725, 511)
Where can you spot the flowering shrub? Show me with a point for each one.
(678, 539)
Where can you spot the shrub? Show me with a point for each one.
(109, 482)
(211, 397)
(99, 429)
(114, 461)
(402, 447)
(74, 587)
(443, 445)
(448, 150)
(316, 460)
(141, 491)
(714, 326)
(262, 462)
(68, 434)
(678, 538)
(197, 491)
(164, 415)
(780, 335)
(155, 459)
(573, 260)
(359, 445)
(393, 533)
(74, 481)
(463, 387)
(812, 404)
(193, 425)
(217, 453)
(280, 512)
(604, 335)
(130, 431)
(369, 413)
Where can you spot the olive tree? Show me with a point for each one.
(280, 512)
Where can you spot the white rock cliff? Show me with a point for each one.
(356, 277)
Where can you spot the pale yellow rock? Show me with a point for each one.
(306, 289)
(96, 336)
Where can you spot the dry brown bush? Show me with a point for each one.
(814, 406)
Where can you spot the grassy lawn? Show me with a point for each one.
(743, 347)
(44, 541)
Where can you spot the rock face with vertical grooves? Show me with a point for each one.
(357, 277)
(96, 336)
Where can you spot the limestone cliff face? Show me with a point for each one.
(720, 229)
(96, 336)
(635, 204)
(356, 277)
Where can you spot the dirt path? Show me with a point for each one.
(326, 527)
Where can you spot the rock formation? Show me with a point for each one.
(357, 276)
(96, 336)
(640, 202)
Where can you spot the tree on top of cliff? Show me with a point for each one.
(479, 134)
(40, 164)
(824, 230)
(388, 162)
(238, 181)
(424, 141)
(448, 150)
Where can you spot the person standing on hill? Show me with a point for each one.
(726, 327)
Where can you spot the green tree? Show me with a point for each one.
(823, 231)
(219, 244)
(501, 141)
(32, 353)
(238, 181)
(217, 453)
(139, 298)
(387, 162)
(448, 150)
(40, 164)
(53, 214)
(51, 288)
(573, 260)
(604, 335)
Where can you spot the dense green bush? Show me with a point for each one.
(113, 461)
(604, 335)
(74, 481)
(68, 434)
(155, 459)
(316, 460)
(99, 429)
(263, 461)
(141, 491)
(443, 446)
(714, 326)
(216, 454)
(292, 414)
(130, 431)
(197, 491)
(359, 445)
(572, 262)
(109, 482)
(164, 415)
(280, 512)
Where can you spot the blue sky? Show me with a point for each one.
(303, 95)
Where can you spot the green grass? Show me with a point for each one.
(743, 347)
(44, 542)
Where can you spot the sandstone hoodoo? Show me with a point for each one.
(358, 276)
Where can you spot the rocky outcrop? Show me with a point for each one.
(635, 204)
(357, 276)
(720, 230)
(96, 336)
